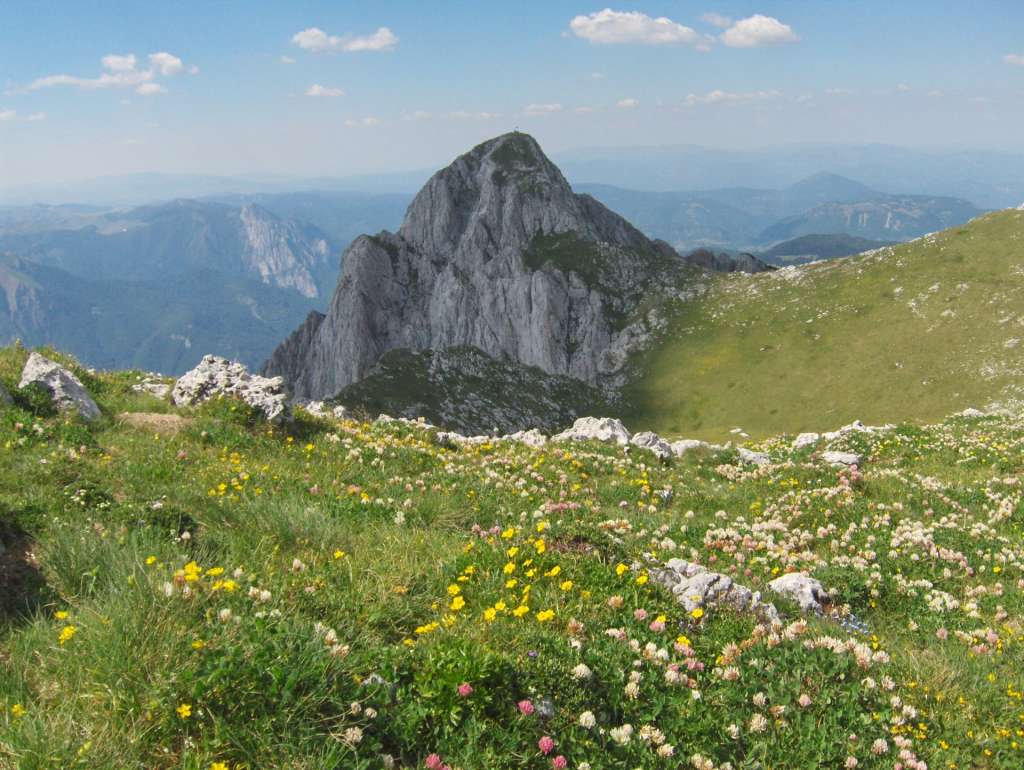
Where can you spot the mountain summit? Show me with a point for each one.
(497, 253)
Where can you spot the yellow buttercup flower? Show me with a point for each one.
(66, 634)
(545, 615)
(184, 710)
(696, 613)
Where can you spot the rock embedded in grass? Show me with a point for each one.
(66, 390)
(653, 442)
(596, 429)
(696, 587)
(842, 458)
(802, 589)
(755, 458)
(215, 376)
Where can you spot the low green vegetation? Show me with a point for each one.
(200, 589)
(915, 331)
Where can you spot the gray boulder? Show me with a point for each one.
(66, 390)
(681, 447)
(532, 437)
(755, 458)
(841, 458)
(215, 376)
(802, 589)
(655, 443)
(695, 587)
(595, 429)
(806, 439)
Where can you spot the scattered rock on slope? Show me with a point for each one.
(653, 442)
(802, 589)
(216, 376)
(66, 390)
(595, 429)
(697, 587)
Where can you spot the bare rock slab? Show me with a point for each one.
(66, 390)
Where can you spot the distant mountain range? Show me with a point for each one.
(752, 219)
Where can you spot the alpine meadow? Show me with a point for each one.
(401, 386)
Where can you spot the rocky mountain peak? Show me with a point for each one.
(497, 196)
(496, 253)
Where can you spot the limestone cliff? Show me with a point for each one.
(498, 253)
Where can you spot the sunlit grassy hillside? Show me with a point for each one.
(915, 331)
(199, 589)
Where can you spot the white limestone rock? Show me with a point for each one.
(532, 437)
(842, 458)
(215, 376)
(694, 586)
(802, 589)
(806, 440)
(66, 390)
(652, 441)
(755, 458)
(595, 429)
(681, 447)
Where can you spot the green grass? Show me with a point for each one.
(916, 331)
(313, 595)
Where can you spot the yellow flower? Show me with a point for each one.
(66, 634)
(545, 615)
(500, 606)
(541, 526)
(511, 583)
(566, 585)
(696, 613)
(512, 551)
(620, 569)
(539, 545)
(641, 580)
(509, 568)
(457, 603)
(521, 610)
(215, 571)
(553, 571)
(184, 710)
(509, 533)
(454, 590)
(17, 710)
(428, 628)
(60, 615)
(198, 644)
(218, 766)
(150, 560)
(683, 640)
(490, 614)
(339, 554)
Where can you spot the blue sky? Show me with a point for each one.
(336, 88)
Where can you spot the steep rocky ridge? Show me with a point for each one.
(498, 253)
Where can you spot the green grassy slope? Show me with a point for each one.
(332, 594)
(915, 331)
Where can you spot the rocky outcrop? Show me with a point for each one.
(806, 440)
(694, 586)
(727, 263)
(752, 457)
(841, 458)
(496, 252)
(802, 589)
(66, 390)
(215, 376)
(596, 429)
(280, 253)
(653, 442)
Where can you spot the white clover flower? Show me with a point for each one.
(587, 720)
(582, 671)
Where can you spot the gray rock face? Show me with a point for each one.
(726, 263)
(279, 253)
(65, 388)
(802, 589)
(496, 252)
(697, 587)
(215, 376)
(595, 429)
(681, 447)
(653, 442)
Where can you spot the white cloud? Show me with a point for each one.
(121, 72)
(627, 104)
(316, 40)
(838, 91)
(902, 87)
(597, 76)
(758, 30)
(729, 97)
(616, 27)
(7, 116)
(318, 90)
(117, 63)
(1016, 59)
(287, 60)
(542, 109)
(716, 19)
(150, 89)
(165, 63)
(466, 115)
(936, 93)
(367, 121)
